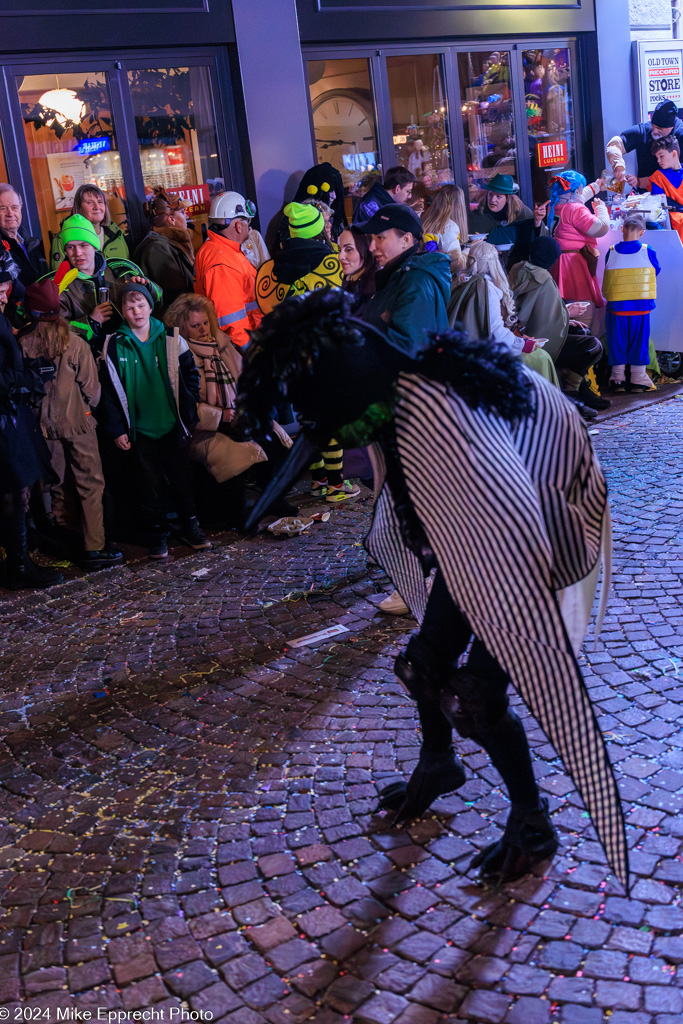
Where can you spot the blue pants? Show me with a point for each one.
(628, 339)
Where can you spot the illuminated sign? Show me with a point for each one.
(90, 147)
(552, 154)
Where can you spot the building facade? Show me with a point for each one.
(202, 95)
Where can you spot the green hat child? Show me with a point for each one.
(79, 229)
(305, 220)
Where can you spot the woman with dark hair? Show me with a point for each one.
(358, 264)
(90, 202)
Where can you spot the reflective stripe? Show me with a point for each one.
(232, 318)
(251, 305)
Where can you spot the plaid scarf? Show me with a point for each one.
(221, 386)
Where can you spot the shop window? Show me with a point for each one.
(488, 120)
(344, 122)
(71, 142)
(550, 124)
(175, 125)
(420, 119)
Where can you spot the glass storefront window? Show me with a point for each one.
(488, 120)
(420, 118)
(175, 125)
(71, 142)
(344, 122)
(550, 124)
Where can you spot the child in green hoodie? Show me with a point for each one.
(150, 389)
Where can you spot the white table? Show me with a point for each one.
(667, 318)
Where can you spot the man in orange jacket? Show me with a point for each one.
(223, 273)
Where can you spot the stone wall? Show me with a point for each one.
(650, 19)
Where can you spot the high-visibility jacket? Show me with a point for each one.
(225, 275)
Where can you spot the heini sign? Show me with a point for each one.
(552, 154)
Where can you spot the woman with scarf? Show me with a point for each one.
(576, 229)
(483, 305)
(167, 250)
(219, 365)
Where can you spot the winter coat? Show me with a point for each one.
(114, 245)
(24, 456)
(302, 265)
(72, 394)
(165, 263)
(113, 412)
(540, 306)
(411, 299)
(371, 202)
(80, 298)
(225, 275)
(28, 260)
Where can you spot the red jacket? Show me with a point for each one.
(225, 275)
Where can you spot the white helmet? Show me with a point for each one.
(230, 205)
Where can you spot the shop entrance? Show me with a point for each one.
(454, 114)
(124, 126)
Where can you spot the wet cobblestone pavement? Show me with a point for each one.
(188, 803)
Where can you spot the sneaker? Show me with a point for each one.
(319, 488)
(158, 548)
(192, 535)
(394, 605)
(340, 492)
(640, 389)
(590, 398)
(93, 560)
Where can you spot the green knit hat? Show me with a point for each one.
(79, 229)
(305, 220)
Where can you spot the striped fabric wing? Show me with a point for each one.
(479, 507)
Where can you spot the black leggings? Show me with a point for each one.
(443, 638)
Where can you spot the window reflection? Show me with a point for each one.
(344, 122)
(488, 120)
(176, 129)
(547, 88)
(71, 142)
(420, 118)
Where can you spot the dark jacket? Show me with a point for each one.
(80, 298)
(29, 259)
(165, 263)
(639, 137)
(113, 413)
(519, 234)
(302, 265)
(373, 199)
(411, 299)
(24, 457)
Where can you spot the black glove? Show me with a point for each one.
(44, 368)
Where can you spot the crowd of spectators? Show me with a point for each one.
(118, 373)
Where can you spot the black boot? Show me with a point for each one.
(529, 838)
(436, 775)
(23, 574)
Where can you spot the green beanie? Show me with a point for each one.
(305, 220)
(79, 229)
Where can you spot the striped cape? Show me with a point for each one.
(512, 515)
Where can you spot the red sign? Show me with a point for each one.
(196, 198)
(552, 154)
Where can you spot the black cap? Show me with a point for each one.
(135, 286)
(393, 215)
(665, 114)
(544, 252)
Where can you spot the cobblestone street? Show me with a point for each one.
(188, 803)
